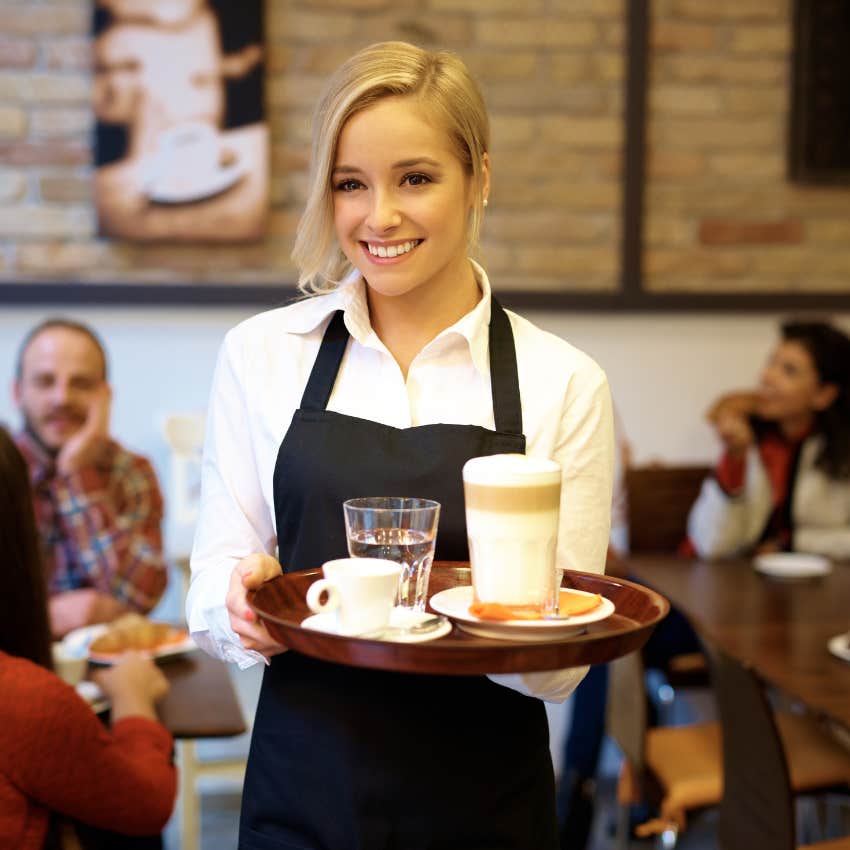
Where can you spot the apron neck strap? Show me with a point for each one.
(504, 378)
(507, 408)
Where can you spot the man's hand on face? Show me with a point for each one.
(75, 608)
(87, 446)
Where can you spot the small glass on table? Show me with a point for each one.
(399, 529)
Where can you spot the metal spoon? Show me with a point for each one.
(423, 627)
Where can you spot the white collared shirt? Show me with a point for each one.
(263, 367)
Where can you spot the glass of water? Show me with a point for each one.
(397, 529)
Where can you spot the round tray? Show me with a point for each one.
(281, 603)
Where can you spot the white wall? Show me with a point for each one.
(663, 369)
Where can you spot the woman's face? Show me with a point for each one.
(401, 199)
(790, 388)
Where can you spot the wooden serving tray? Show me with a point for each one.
(281, 603)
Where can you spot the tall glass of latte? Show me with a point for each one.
(512, 507)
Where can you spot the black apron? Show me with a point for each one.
(344, 758)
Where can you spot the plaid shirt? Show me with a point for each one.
(100, 527)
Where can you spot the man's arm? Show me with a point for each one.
(112, 516)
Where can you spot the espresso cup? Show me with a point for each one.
(359, 591)
(512, 510)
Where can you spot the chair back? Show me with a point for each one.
(659, 501)
(757, 809)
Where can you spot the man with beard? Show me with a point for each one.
(98, 506)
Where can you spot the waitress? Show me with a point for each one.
(400, 368)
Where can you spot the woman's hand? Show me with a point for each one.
(134, 684)
(247, 575)
(735, 432)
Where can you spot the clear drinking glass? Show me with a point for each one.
(398, 529)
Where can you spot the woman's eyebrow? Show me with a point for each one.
(403, 163)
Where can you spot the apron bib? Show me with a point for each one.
(344, 758)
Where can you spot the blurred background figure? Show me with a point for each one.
(98, 506)
(63, 777)
(783, 480)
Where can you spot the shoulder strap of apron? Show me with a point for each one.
(323, 377)
(504, 380)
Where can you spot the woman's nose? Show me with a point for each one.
(383, 214)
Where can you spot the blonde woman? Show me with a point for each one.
(400, 370)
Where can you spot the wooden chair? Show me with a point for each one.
(680, 768)
(659, 500)
(767, 758)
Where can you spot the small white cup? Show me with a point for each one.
(360, 591)
(69, 667)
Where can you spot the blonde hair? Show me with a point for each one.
(442, 84)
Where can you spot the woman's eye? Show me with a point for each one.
(347, 185)
(416, 179)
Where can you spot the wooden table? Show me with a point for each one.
(201, 702)
(780, 628)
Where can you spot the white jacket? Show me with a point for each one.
(721, 526)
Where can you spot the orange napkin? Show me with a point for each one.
(568, 603)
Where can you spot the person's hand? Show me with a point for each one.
(247, 575)
(72, 609)
(134, 684)
(743, 403)
(735, 432)
(87, 446)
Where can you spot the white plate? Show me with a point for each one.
(77, 644)
(455, 603)
(400, 618)
(790, 565)
(93, 695)
(173, 188)
(839, 646)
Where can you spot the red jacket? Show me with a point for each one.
(56, 756)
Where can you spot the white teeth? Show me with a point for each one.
(391, 250)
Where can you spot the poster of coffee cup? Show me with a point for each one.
(181, 141)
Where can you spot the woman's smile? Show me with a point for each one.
(381, 252)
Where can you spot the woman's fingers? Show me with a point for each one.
(249, 574)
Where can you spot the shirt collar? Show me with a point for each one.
(350, 297)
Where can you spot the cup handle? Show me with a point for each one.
(314, 593)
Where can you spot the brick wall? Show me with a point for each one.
(720, 215)
(552, 76)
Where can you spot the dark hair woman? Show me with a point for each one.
(58, 764)
(783, 481)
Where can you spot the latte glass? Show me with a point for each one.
(512, 510)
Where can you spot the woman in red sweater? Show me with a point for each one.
(58, 763)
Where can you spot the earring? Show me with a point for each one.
(485, 202)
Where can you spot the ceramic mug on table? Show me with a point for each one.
(512, 510)
(359, 591)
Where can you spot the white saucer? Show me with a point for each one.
(792, 565)
(455, 603)
(399, 618)
(93, 695)
(171, 188)
(839, 646)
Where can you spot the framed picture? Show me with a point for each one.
(181, 144)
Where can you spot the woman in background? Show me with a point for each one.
(402, 368)
(783, 481)
(57, 761)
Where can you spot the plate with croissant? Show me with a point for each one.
(105, 642)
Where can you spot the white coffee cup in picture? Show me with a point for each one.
(69, 666)
(188, 152)
(359, 591)
(512, 509)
